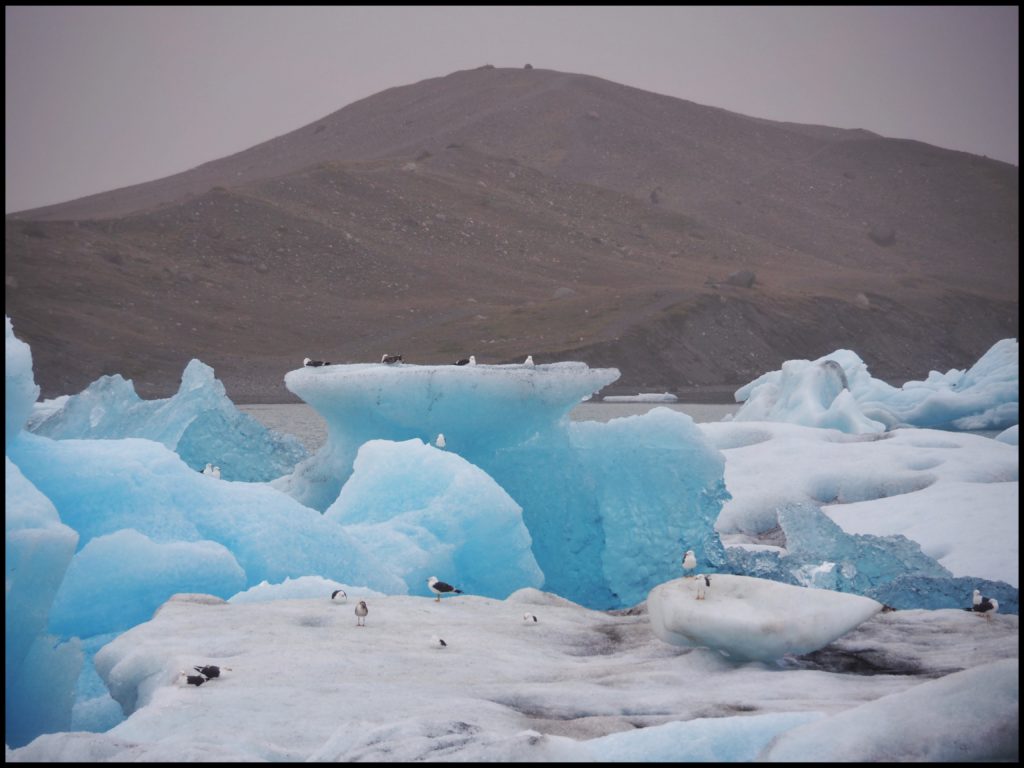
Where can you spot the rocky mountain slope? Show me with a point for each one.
(506, 212)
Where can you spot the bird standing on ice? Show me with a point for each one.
(985, 605)
(689, 562)
(314, 363)
(701, 593)
(529, 360)
(196, 680)
(361, 611)
(440, 442)
(441, 588)
(216, 472)
(340, 595)
(529, 618)
(208, 470)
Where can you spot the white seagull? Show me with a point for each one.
(529, 360)
(216, 472)
(689, 562)
(208, 470)
(529, 618)
(440, 442)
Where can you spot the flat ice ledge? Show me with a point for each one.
(401, 401)
(753, 619)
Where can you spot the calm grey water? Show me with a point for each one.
(305, 423)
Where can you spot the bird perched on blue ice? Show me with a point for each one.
(985, 605)
(689, 562)
(440, 442)
(216, 472)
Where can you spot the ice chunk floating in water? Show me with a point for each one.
(836, 391)
(607, 505)
(199, 423)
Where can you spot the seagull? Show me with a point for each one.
(385, 358)
(462, 361)
(208, 470)
(472, 360)
(361, 611)
(529, 360)
(342, 592)
(216, 472)
(438, 642)
(196, 680)
(529, 618)
(210, 671)
(700, 589)
(314, 363)
(985, 605)
(441, 588)
(689, 562)
(440, 442)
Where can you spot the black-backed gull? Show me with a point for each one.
(463, 361)
(982, 604)
(342, 592)
(314, 363)
(529, 618)
(441, 588)
(390, 358)
(193, 679)
(209, 671)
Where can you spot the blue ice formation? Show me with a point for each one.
(609, 507)
(40, 671)
(20, 390)
(836, 391)
(890, 569)
(199, 423)
(423, 511)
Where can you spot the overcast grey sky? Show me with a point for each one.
(103, 97)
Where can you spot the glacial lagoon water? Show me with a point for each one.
(303, 422)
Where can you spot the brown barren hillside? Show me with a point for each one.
(507, 212)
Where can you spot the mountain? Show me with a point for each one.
(506, 212)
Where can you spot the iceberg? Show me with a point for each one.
(421, 511)
(836, 391)
(751, 619)
(608, 505)
(200, 423)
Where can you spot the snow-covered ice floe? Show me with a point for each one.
(753, 619)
